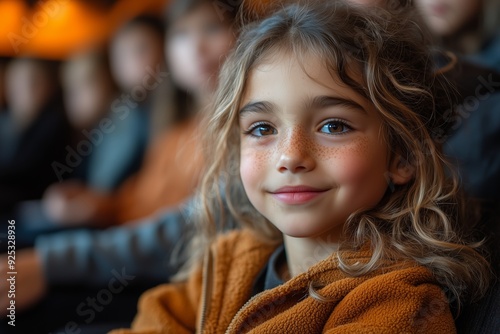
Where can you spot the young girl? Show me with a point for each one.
(323, 137)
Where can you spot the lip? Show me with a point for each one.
(296, 195)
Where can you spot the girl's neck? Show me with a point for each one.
(303, 253)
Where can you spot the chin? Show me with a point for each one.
(294, 234)
(299, 230)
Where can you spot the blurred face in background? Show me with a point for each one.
(29, 88)
(447, 17)
(196, 46)
(135, 49)
(88, 90)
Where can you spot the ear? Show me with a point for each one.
(400, 171)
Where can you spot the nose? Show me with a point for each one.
(295, 154)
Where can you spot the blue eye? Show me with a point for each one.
(261, 130)
(335, 127)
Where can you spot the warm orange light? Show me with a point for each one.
(11, 14)
(55, 29)
(64, 26)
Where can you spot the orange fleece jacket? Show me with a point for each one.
(403, 300)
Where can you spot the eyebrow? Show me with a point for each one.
(258, 106)
(321, 102)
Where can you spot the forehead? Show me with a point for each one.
(304, 76)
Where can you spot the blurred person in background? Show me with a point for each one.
(99, 159)
(195, 47)
(35, 131)
(118, 144)
(471, 29)
(197, 43)
(114, 147)
(467, 27)
(137, 65)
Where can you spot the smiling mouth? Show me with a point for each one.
(297, 195)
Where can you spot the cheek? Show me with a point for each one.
(252, 168)
(360, 164)
(249, 168)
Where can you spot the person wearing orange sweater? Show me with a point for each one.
(322, 136)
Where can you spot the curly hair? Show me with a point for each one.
(420, 221)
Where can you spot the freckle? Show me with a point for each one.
(361, 145)
(327, 152)
(263, 157)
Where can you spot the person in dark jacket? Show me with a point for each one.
(35, 131)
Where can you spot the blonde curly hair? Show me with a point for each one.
(419, 221)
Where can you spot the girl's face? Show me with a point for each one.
(312, 150)
(196, 46)
(446, 17)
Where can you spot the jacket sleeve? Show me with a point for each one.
(143, 250)
(404, 301)
(169, 308)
